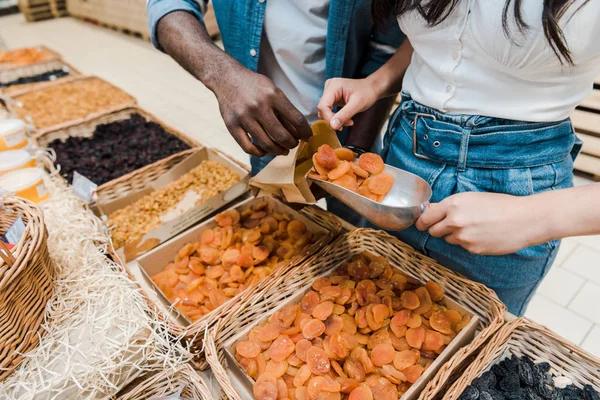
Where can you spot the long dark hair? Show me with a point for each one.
(436, 11)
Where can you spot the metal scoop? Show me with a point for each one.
(400, 208)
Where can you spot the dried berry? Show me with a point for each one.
(509, 383)
(470, 393)
(46, 76)
(485, 381)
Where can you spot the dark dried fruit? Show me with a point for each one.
(510, 383)
(485, 381)
(46, 76)
(470, 393)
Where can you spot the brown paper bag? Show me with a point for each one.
(285, 176)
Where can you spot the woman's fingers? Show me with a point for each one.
(435, 213)
(344, 116)
(332, 94)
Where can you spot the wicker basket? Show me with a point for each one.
(33, 70)
(475, 297)
(52, 55)
(524, 337)
(134, 180)
(166, 383)
(17, 96)
(194, 333)
(26, 283)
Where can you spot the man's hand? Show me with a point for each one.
(258, 115)
(484, 223)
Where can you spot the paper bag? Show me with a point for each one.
(285, 176)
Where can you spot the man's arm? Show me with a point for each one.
(257, 114)
(368, 124)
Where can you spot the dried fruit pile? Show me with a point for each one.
(228, 259)
(115, 149)
(364, 177)
(26, 56)
(70, 101)
(137, 219)
(367, 332)
(519, 378)
(46, 76)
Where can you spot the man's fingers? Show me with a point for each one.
(242, 139)
(286, 110)
(434, 214)
(261, 139)
(341, 118)
(278, 132)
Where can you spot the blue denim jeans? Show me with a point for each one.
(462, 153)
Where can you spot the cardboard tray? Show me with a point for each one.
(180, 223)
(155, 260)
(243, 383)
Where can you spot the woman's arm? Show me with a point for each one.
(497, 224)
(357, 95)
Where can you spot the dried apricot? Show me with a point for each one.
(309, 301)
(372, 163)
(362, 356)
(440, 323)
(385, 391)
(415, 337)
(414, 321)
(361, 393)
(338, 369)
(333, 324)
(345, 154)
(313, 328)
(268, 332)
(338, 345)
(354, 369)
(409, 300)
(348, 324)
(454, 316)
(380, 312)
(347, 385)
(436, 292)
(358, 269)
(392, 374)
(281, 348)
(302, 376)
(296, 229)
(328, 384)
(359, 171)
(301, 348)
(425, 302)
(266, 388)
(321, 170)
(433, 341)
(317, 361)
(379, 337)
(330, 293)
(413, 373)
(323, 310)
(326, 156)
(301, 319)
(382, 354)
(404, 359)
(301, 393)
(320, 283)
(347, 182)
(342, 169)
(276, 368)
(247, 349)
(282, 389)
(380, 184)
(366, 192)
(463, 323)
(250, 366)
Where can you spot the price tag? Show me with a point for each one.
(15, 232)
(84, 188)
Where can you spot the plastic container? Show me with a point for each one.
(12, 134)
(13, 160)
(27, 183)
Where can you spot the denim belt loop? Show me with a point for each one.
(415, 139)
(464, 150)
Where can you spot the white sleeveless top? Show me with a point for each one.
(467, 65)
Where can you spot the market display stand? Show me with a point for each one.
(36, 10)
(587, 125)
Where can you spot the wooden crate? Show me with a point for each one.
(586, 120)
(125, 16)
(35, 10)
(59, 8)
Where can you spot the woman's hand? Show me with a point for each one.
(355, 95)
(485, 223)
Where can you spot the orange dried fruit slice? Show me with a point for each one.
(454, 316)
(358, 171)
(266, 387)
(301, 393)
(302, 347)
(414, 321)
(250, 366)
(326, 157)
(425, 302)
(247, 349)
(413, 373)
(436, 292)
(338, 346)
(333, 324)
(361, 393)
(347, 385)
(354, 369)
(366, 192)
(372, 163)
(320, 283)
(410, 300)
(344, 154)
(319, 168)
(440, 323)
(463, 323)
(207, 236)
(276, 368)
(347, 182)
(323, 310)
(404, 359)
(317, 361)
(382, 354)
(433, 341)
(415, 337)
(313, 328)
(381, 184)
(296, 229)
(348, 324)
(362, 356)
(281, 348)
(342, 169)
(309, 302)
(302, 376)
(380, 313)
